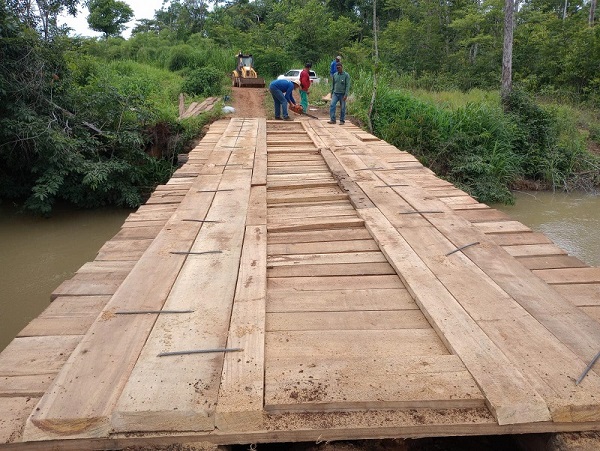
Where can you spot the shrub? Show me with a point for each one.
(181, 56)
(206, 81)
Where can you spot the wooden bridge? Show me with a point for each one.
(300, 281)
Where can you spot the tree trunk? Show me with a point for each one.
(592, 17)
(509, 9)
(376, 68)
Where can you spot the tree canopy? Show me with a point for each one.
(108, 16)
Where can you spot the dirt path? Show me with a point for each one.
(248, 102)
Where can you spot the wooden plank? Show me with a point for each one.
(531, 250)
(351, 320)
(277, 213)
(159, 215)
(28, 385)
(107, 268)
(175, 199)
(71, 315)
(551, 262)
(137, 233)
(302, 193)
(483, 215)
(151, 225)
(323, 247)
(321, 182)
(439, 382)
(311, 236)
(580, 294)
(502, 227)
(310, 203)
(257, 208)
(459, 200)
(296, 164)
(328, 270)
(28, 356)
(511, 239)
(300, 156)
(592, 311)
(14, 412)
(123, 250)
(179, 393)
(569, 275)
(304, 345)
(334, 283)
(240, 402)
(299, 199)
(89, 284)
(281, 217)
(299, 225)
(276, 179)
(109, 362)
(372, 299)
(259, 171)
(508, 395)
(326, 258)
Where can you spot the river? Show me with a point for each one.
(570, 220)
(38, 254)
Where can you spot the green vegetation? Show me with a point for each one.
(471, 141)
(94, 121)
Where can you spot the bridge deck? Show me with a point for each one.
(315, 283)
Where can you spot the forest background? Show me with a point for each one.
(94, 121)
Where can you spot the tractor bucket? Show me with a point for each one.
(251, 83)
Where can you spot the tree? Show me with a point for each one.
(183, 17)
(509, 27)
(42, 15)
(109, 16)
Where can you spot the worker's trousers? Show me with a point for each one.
(279, 103)
(304, 100)
(335, 98)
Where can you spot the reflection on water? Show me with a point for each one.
(38, 254)
(571, 220)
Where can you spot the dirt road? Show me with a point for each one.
(248, 102)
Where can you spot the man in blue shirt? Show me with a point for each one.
(282, 90)
(340, 86)
(332, 68)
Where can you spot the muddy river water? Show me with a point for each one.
(571, 220)
(37, 254)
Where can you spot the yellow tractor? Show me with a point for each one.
(244, 75)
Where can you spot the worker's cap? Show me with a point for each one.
(309, 65)
(296, 82)
(338, 57)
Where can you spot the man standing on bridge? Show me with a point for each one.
(340, 86)
(305, 86)
(282, 90)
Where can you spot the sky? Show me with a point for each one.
(142, 9)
